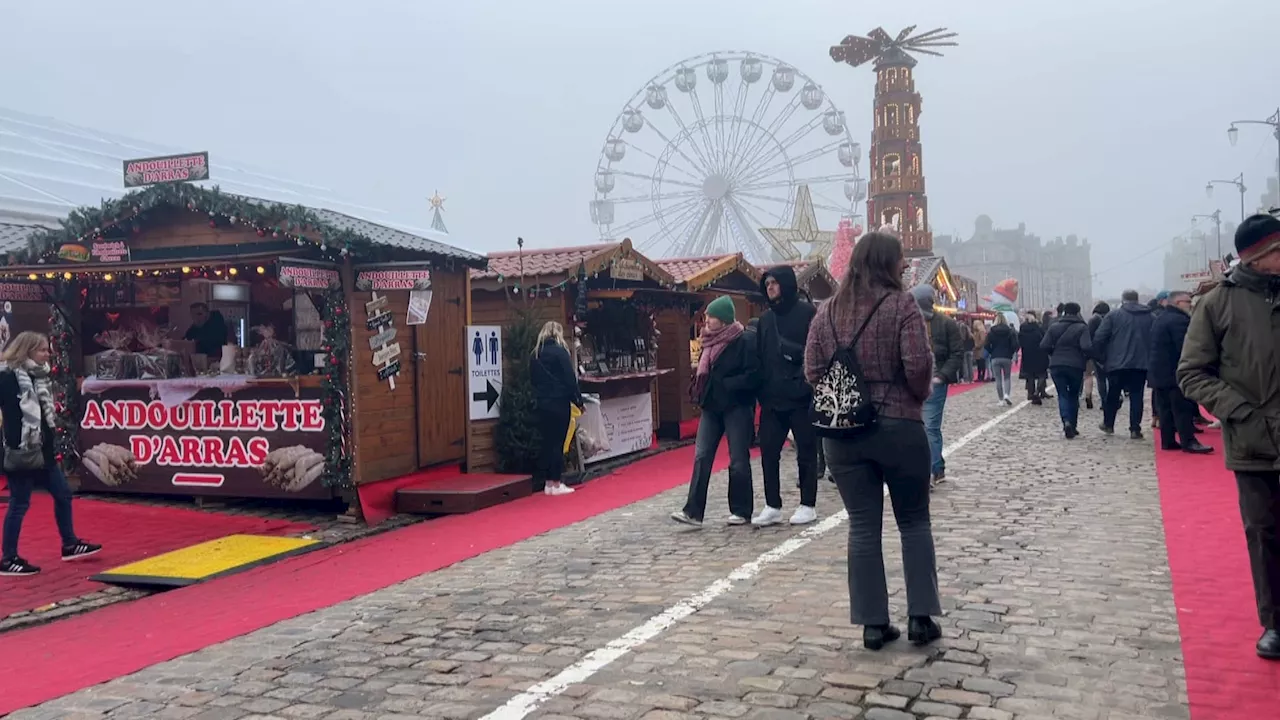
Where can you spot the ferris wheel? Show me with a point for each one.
(715, 148)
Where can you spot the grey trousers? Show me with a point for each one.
(896, 454)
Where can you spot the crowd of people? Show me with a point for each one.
(861, 382)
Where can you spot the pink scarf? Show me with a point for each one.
(713, 343)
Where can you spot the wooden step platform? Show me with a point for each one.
(462, 493)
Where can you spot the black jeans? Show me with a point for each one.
(736, 423)
(553, 427)
(21, 483)
(1036, 387)
(1128, 382)
(1260, 510)
(774, 425)
(1177, 416)
(896, 454)
(1069, 382)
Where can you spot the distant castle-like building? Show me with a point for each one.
(1047, 272)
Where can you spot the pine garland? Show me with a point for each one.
(65, 393)
(126, 214)
(337, 418)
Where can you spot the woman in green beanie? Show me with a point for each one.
(724, 387)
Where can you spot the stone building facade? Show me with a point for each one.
(1047, 272)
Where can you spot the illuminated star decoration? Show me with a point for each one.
(804, 229)
(437, 221)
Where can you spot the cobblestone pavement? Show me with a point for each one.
(1051, 562)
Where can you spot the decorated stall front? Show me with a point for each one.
(606, 297)
(699, 280)
(208, 344)
(933, 271)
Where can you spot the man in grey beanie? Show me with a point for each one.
(948, 357)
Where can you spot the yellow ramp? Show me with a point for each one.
(208, 560)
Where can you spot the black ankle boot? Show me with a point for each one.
(1269, 645)
(875, 637)
(923, 630)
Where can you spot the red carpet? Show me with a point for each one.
(378, 500)
(45, 662)
(1213, 590)
(128, 533)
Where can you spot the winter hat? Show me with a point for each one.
(1162, 296)
(1257, 235)
(721, 309)
(924, 298)
(1101, 309)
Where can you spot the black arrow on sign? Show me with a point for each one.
(489, 397)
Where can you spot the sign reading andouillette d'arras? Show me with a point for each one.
(166, 169)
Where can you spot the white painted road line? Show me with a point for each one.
(526, 702)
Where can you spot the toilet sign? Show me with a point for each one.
(483, 346)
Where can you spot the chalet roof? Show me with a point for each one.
(921, 271)
(565, 261)
(14, 235)
(696, 273)
(329, 225)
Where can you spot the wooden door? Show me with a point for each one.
(441, 368)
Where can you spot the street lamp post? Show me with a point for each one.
(1273, 121)
(1216, 217)
(1238, 182)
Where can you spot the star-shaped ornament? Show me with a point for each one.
(803, 230)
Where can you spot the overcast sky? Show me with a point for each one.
(1100, 118)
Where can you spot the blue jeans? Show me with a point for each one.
(20, 485)
(933, 426)
(1069, 382)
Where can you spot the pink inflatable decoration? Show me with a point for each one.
(842, 247)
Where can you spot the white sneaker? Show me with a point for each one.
(736, 520)
(558, 490)
(804, 515)
(767, 516)
(1215, 425)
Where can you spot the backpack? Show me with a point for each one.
(840, 407)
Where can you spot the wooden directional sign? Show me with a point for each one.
(376, 304)
(389, 372)
(387, 335)
(386, 354)
(380, 320)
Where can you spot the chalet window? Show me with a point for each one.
(892, 165)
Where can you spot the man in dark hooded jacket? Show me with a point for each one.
(1124, 343)
(784, 396)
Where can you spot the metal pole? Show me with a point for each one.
(1242, 198)
(1217, 230)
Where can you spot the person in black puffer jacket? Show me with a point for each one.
(1035, 362)
(555, 388)
(1002, 344)
(1093, 370)
(1069, 344)
(1177, 414)
(724, 386)
(784, 396)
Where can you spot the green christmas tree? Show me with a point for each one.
(517, 433)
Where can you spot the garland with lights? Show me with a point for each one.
(126, 215)
(62, 382)
(336, 342)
